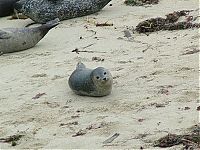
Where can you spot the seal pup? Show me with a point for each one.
(90, 82)
(42, 11)
(7, 7)
(18, 39)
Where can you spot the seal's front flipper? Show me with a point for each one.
(80, 65)
(30, 24)
(4, 35)
(1, 53)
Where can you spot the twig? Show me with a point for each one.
(112, 138)
(78, 51)
(104, 24)
(88, 46)
(80, 132)
(38, 95)
(148, 46)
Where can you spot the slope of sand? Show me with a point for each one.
(155, 89)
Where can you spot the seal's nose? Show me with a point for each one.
(105, 79)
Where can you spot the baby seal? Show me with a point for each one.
(6, 7)
(88, 82)
(42, 11)
(18, 39)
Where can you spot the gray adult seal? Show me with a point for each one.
(91, 82)
(18, 39)
(6, 7)
(42, 11)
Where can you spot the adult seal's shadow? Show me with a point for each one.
(91, 82)
(42, 11)
(18, 39)
(6, 7)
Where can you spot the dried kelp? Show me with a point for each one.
(12, 139)
(191, 139)
(168, 23)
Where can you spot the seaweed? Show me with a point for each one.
(168, 23)
(190, 140)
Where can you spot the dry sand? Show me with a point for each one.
(149, 71)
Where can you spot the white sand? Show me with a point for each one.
(139, 79)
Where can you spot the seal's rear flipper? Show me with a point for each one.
(52, 23)
(30, 24)
(80, 65)
(19, 5)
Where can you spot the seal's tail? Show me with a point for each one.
(52, 23)
(48, 26)
(80, 65)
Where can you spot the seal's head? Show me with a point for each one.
(101, 77)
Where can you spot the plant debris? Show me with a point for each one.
(90, 127)
(13, 143)
(186, 108)
(168, 141)
(38, 95)
(158, 105)
(76, 50)
(75, 116)
(140, 2)
(87, 46)
(97, 59)
(168, 23)
(80, 132)
(96, 125)
(163, 91)
(12, 139)
(173, 17)
(104, 24)
(191, 140)
(112, 138)
(70, 123)
(141, 120)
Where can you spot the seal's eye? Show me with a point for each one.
(104, 73)
(97, 77)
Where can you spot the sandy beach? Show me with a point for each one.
(155, 86)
